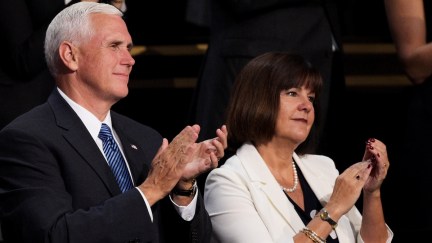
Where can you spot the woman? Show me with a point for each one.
(271, 190)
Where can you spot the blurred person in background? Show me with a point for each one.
(410, 24)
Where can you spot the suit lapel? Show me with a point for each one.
(80, 139)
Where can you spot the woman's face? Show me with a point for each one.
(296, 114)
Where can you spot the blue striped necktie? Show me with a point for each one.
(115, 158)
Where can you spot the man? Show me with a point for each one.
(56, 180)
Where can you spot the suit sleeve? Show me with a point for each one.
(34, 199)
(178, 230)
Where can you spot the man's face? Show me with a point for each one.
(104, 61)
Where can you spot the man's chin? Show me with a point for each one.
(120, 95)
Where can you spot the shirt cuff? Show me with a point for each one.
(147, 204)
(186, 212)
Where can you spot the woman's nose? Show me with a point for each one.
(306, 104)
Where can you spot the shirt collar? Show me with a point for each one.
(91, 122)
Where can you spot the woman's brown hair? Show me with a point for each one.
(254, 103)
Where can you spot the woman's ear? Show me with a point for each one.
(68, 55)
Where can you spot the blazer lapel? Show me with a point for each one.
(80, 139)
(261, 176)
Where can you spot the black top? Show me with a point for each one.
(312, 206)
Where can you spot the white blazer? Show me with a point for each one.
(247, 205)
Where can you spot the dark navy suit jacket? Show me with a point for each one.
(55, 185)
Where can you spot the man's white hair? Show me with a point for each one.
(72, 24)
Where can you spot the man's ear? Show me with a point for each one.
(68, 55)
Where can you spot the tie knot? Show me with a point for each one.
(105, 132)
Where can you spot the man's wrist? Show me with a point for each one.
(187, 189)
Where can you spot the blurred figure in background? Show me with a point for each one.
(411, 27)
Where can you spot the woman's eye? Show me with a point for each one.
(291, 93)
(312, 98)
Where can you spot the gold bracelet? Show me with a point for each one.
(312, 235)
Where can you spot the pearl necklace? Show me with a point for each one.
(292, 189)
